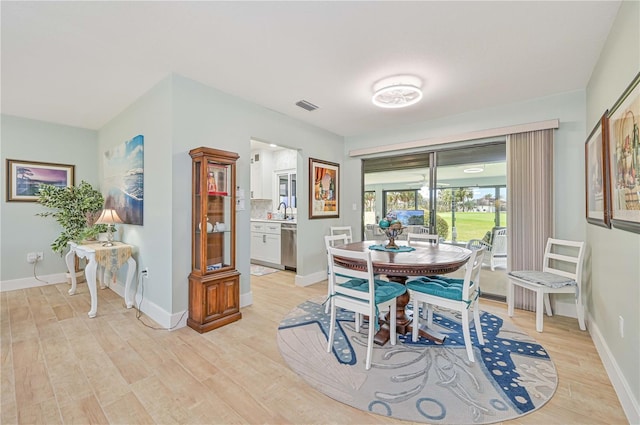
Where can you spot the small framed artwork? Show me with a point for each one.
(624, 159)
(25, 177)
(597, 175)
(217, 179)
(324, 189)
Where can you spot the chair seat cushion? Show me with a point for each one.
(543, 278)
(384, 290)
(440, 286)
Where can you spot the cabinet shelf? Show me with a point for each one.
(214, 282)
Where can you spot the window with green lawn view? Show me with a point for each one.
(473, 211)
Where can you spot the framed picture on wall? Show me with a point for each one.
(597, 175)
(25, 177)
(624, 158)
(324, 189)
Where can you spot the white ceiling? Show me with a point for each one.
(82, 63)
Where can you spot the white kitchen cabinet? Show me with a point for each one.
(261, 174)
(265, 242)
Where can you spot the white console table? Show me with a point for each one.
(111, 257)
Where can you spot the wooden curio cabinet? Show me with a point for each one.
(214, 282)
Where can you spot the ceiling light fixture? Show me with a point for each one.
(397, 92)
(472, 170)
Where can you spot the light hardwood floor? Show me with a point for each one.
(59, 366)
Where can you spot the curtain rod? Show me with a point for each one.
(480, 134)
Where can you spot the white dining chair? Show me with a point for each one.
(495, 246)
(362, 294)
(331, 241)
(456, 294)
(561, 274)
(342, 230)
(423, 237)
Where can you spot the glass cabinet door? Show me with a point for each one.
(217, 220)
(213, 216)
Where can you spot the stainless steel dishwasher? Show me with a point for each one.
(288, 245)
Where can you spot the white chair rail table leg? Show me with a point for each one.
(112, 257)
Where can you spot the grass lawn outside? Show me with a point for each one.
(472, 225)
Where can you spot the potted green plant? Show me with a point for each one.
(75, 209)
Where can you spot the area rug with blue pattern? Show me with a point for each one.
(422, 382)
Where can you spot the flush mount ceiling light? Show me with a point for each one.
(472, 170)
(397, 92)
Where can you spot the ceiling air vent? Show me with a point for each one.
(306, 105)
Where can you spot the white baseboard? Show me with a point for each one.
(246, 299)
(620, 385)
(310, 279)
(32, 282)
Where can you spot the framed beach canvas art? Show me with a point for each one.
(324, 189)
(624, 158)
(123, 183)
(25, 177)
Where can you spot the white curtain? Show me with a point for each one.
(529, 204)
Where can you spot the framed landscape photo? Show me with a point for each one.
(324, 189)
(624, 159)
(597, 175)
(25, 177)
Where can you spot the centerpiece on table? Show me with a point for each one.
(392, 228)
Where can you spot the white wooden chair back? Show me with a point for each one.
(558, 259)
(331, 241)
(340, 230)
(423, 237)
(561, 274)
(366, 273)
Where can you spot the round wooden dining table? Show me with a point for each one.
(426, 260)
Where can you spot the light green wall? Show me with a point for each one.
(20, 230)
(149, 116)
(615, 289)
(204, 116)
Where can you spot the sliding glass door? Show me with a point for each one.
(460, 194)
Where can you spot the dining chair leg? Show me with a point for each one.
(372, 331)
(476, 321)
(580, 312)
(332, 327)
(510, 295)
(547, 305)
(424, 310)
(429, 309)
(416, 323)
(466, 332)
(392, 324)
(539, 309)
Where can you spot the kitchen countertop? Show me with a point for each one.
(273, 220)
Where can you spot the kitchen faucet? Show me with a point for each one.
(285, 209)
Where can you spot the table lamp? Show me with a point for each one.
(109, 217)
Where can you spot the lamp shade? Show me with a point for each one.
(109, 216)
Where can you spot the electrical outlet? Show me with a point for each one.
(621, 326)
(33, 257)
